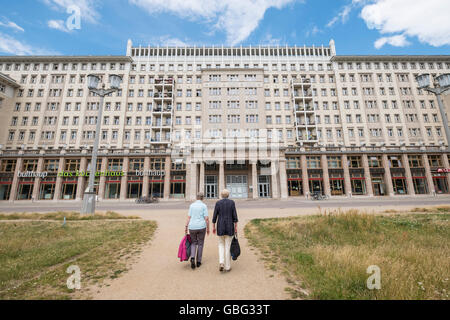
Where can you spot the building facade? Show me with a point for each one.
(264, 122)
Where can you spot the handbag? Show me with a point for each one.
(235, 248)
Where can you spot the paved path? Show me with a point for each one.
(158, 274)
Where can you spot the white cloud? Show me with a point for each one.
(171, 42)
(10, 45)
(12, 25)
(345, 12)
(238, 18)
(428, 20)
(396, 41)
(88, 8)
(58, 25)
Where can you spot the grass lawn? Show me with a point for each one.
(35, 254)
(326, 256)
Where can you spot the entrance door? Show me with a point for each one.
(264, 186)
(238, 187)
(210, 187)
(378, 188)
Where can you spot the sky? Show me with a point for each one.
(102, 27)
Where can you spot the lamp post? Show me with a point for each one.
(441, 84)
(93, 84)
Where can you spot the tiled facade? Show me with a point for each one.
(344, 125)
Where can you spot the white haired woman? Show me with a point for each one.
(225, 216)
(198, 225)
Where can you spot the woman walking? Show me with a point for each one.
(225, 216)
(198, 225)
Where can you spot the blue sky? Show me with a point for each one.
(358, 26)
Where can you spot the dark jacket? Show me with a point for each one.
(225, 215)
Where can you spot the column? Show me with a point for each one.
(367, 175)
(146, 178)
(81, 180)
(193, 182)
(101, 186)
(387, 176)
(201, 183)
(124, 179)
(409, 181)
(222, 183)
(15, 182)
(347, 180)
(59, 180)
(274, 176)
(167, 169)
(37, 180)
(305, 178)
(283, 179)
(325, 175)
(255, 179)
(428, 174)
(446, 166)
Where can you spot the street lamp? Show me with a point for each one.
(93, 82)
(441, 84)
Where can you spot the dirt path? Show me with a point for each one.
(158, 274)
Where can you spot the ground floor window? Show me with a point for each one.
(178, 187)
(316, 185)
(378, 185)
(112, 189)
(440, 184)
(420, 185)
(295, 187)
(337, 184)
(134, 187)
(358, 186)
(5, 188)
(47, 189)
(211, 187)
(264, 186)
(25, 189)
(69, 189)
(156, 189)
(399, 185)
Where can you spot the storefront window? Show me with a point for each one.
(134, 187)
(440, 184)
(25, 189)
(295, 186)
(178, 187)
(112, 189)
(69, 188)
(47, 188)
(5, 188)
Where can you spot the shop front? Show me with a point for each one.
(358, 182)
(47, 188)
(25, 189)
(69, 188)
(112, 188)
(440, 183)
(295, 186)
(5, 187)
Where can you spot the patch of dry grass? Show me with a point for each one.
(330, 253)
(34, 255)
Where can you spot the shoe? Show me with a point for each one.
(221, 268)
(192, 263)
(199, 264)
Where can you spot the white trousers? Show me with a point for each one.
(224, 251)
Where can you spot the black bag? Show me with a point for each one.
(235, 248)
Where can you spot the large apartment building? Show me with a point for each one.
(264, 122)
